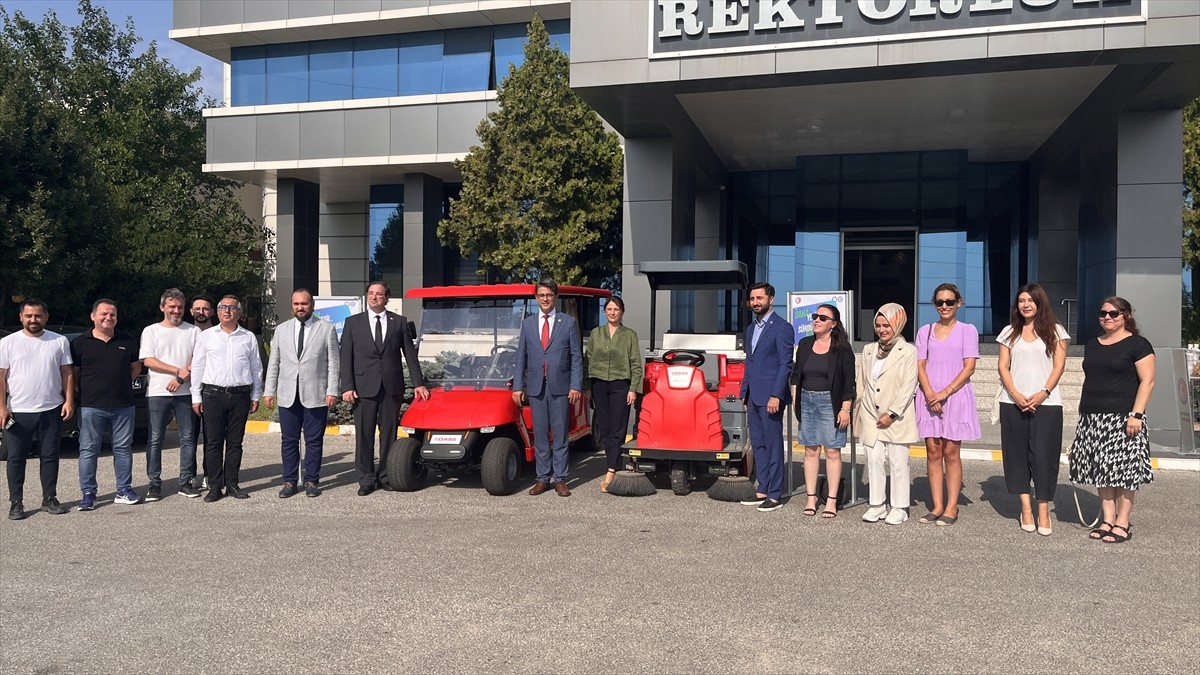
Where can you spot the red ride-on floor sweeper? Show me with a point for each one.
(691, 422)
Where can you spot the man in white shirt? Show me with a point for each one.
(226, 385)
(166, 349)
(303, 368)
(37, 394)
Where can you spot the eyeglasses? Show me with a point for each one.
(822, 317)
(1109, 314)
(945, 303)
(228, 308)
(546, 295)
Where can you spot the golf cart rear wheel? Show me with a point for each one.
(501, 466)
(405, 470)
(679, 479)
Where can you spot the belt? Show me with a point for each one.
(214, 389)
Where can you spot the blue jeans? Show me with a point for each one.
(92, 424)
(292, 420)
(47, 427)
(160, 409)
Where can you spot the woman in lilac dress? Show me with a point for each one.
(946, 354)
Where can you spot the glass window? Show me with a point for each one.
(385, 253)
(560, 34)
(818, 261)
(248, 72)
(508, 43)
(376, 70)
(951, 257)
(331, 72)
(287, 73)
(421, 63)
(466, 58)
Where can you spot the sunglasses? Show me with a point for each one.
(822, 317)
(1111, 314)
(945, 303)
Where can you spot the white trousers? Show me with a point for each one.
(880, 457)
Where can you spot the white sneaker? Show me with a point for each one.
(896, 516)
(875, 514)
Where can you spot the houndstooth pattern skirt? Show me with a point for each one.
(1105, 456)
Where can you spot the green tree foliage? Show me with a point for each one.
(1191, 217)
(541, 193)
(101, 188)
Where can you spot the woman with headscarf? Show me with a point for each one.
(886, 420)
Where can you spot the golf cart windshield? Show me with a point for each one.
(471, 342)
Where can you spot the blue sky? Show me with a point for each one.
(151, 21)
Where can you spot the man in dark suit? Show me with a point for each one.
(550, 373)
(768, 345)
(372, 343)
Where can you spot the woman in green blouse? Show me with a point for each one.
(615, 367)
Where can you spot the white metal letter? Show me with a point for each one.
(829, 15)
(774, 14)
(1038, 3)
(676, 12)
(730, 16)
(870, 9)
(950, 7)
(990, 5)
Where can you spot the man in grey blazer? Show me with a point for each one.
(303, 372)
(550, 373)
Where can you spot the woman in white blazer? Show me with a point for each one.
(886, 420)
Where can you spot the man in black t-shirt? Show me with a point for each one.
(106, 364)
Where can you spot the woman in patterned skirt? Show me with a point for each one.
(946, 354)
(1111, 448)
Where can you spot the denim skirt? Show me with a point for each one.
(818, 424)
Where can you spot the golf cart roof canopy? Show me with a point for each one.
(694, 275)
(500, 291)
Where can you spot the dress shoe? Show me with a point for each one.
(561, 489)
(311, 489)
(539, 487)
(213, 496)
(50, 505)
(236, 492)
(289, 489)
(364, 490)
(17, 512)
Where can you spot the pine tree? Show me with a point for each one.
(541, 193)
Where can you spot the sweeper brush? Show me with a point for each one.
(730, 489)
(631, 484)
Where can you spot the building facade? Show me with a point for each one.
(880, 146)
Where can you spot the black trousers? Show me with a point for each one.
(611, 418)
(381, 410)
(1031, 444)
(225, 416)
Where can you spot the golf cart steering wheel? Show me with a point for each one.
(505, 347)
(683, 357)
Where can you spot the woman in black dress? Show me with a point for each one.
(1111, 448)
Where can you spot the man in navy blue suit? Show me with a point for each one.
(550, 373)
(768, 345)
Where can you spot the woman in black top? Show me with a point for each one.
(823, 375)
(1111, 448)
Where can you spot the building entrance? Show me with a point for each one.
(880, 266)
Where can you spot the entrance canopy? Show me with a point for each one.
(694, 275)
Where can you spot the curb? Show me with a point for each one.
(916, 451)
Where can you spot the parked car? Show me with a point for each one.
(70, 429)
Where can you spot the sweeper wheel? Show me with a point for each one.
(680, 484)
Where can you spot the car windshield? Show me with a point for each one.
(471, 341)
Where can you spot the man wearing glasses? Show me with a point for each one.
(550, 374)
(226, 385)
(372, 380)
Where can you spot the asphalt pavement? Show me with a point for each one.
(449, 579)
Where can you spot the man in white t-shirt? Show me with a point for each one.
(35, 371)
(166, 349)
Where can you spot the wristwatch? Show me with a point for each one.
(893, 415)
(1137, 415)
(179, 379)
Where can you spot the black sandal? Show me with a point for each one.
(827, 514)
(810, 511)
(1113, 538)
(1099, 533)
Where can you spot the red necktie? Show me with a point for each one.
(545, 331)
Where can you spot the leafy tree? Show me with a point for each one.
(101, 188)
(541, 193)
(1191, 217)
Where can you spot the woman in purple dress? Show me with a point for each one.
(946, 354)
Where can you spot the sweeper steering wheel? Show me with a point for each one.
(683, 357)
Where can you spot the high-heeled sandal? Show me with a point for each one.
(810, 511)
(827, 514)
(1113, 538)
(608, 478)
(1100, 533)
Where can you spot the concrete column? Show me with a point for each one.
(296, 239)
(708, 247)
(1150, 220)
(649, 222)
(423, 255)
(343, 255)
